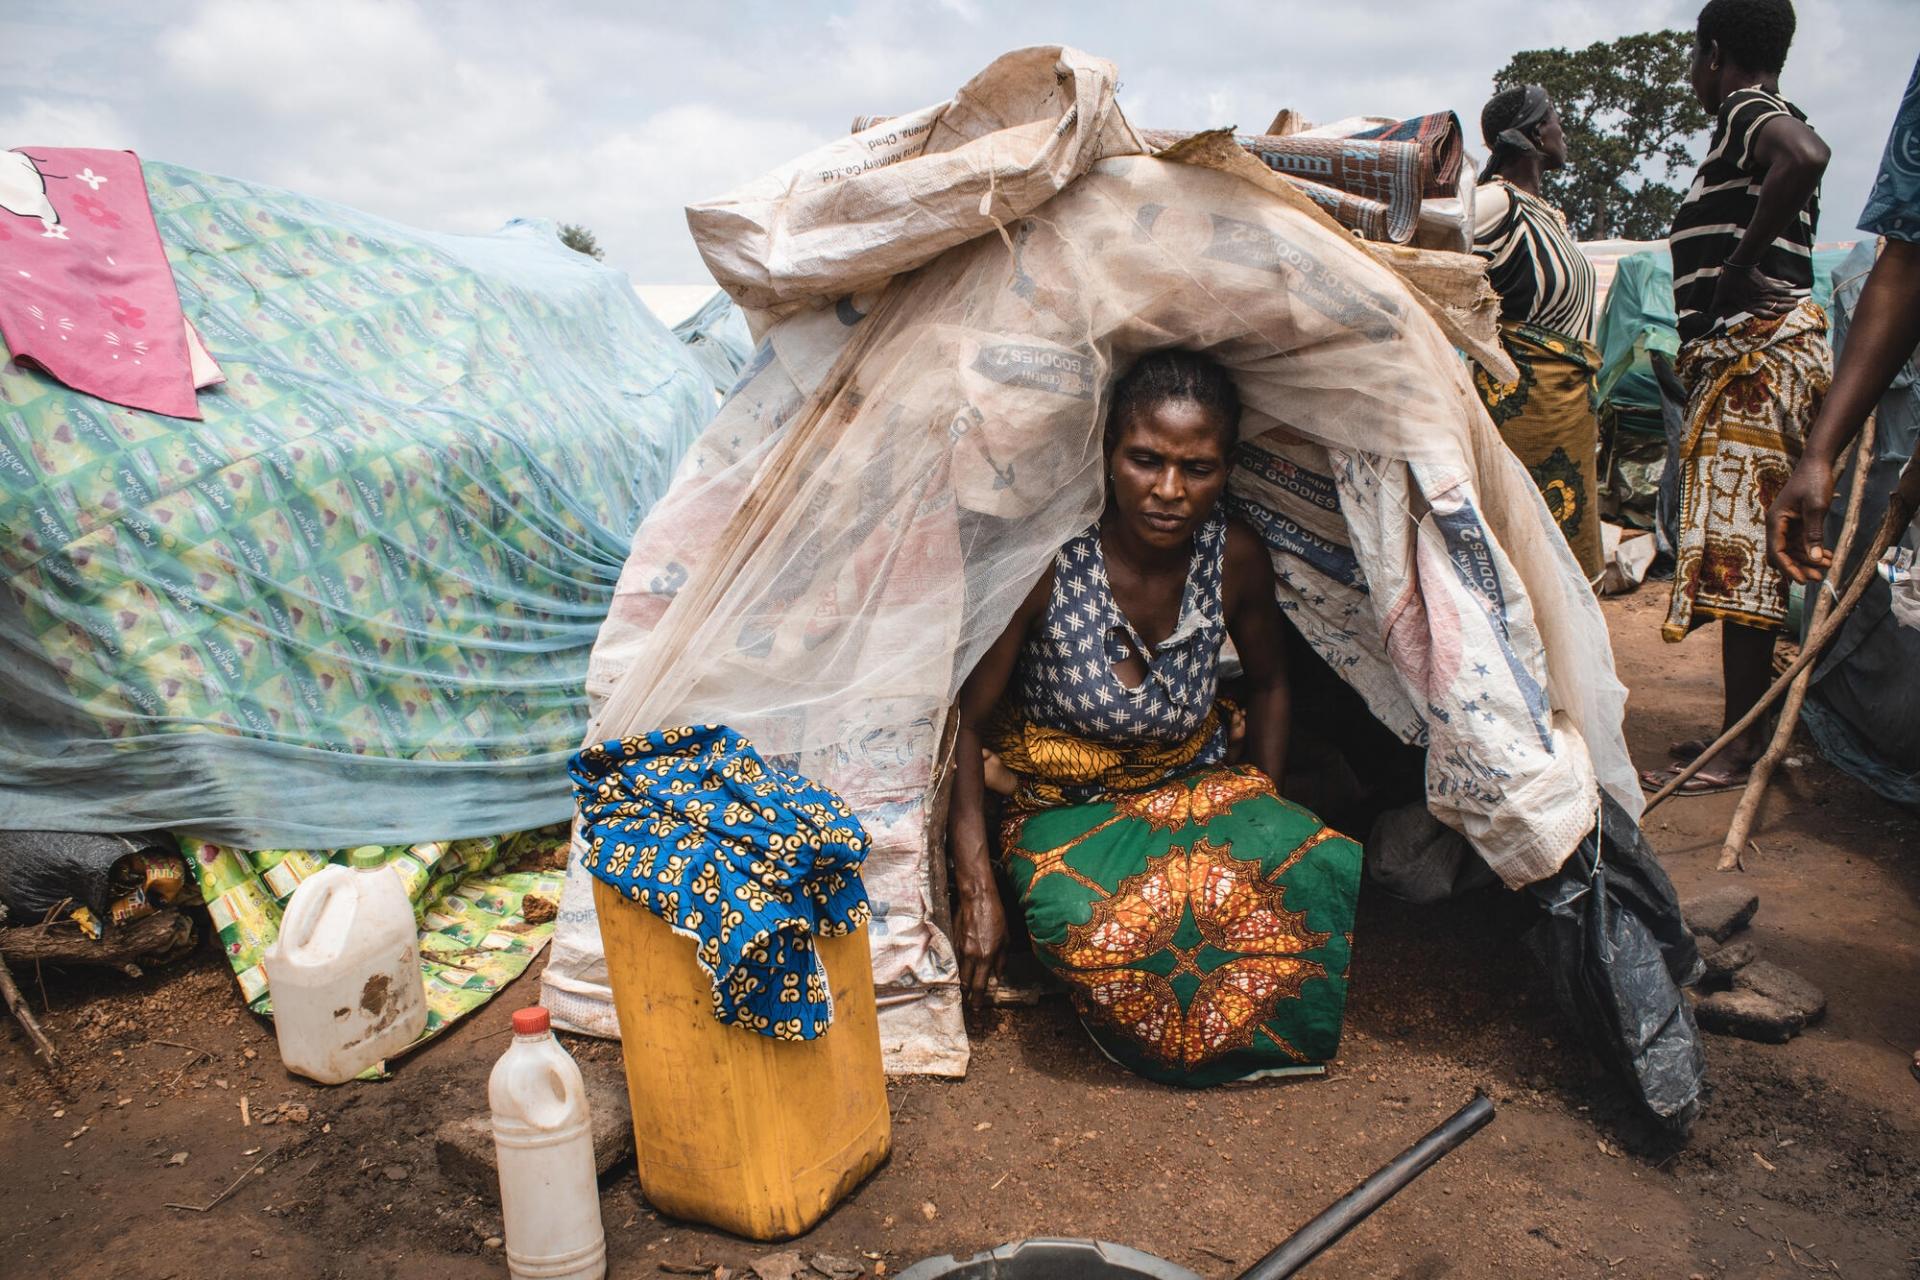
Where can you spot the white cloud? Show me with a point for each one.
(303, 56)
(457, 116)
(642, 179)
(369, 105)
(69, 122)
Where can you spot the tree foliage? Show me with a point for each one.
(580, 240)
(1630, 118)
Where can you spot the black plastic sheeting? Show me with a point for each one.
(41, 869)
(1617, 952)
(1863, 707)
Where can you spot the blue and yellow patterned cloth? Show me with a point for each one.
(747, 860)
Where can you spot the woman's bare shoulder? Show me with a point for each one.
(1244, 541)
(1036, 602)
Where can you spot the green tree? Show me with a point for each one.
(1630, 118)
(580, 240)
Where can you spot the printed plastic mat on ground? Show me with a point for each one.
(470, 897)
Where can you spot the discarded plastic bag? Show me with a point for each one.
(1618, 952)
(1897, 568)
(1628, 554)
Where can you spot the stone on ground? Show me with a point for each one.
(1724, 962)
(1765, 978)
(1748, 1015)
(1720, 913)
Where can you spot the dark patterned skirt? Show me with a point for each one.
(1203, 926)
(1547, 419)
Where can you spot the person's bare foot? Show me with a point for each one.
(1727, 770)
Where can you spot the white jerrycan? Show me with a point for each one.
(345, 971)
(543, 1139)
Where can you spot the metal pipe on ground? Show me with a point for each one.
(1350, 1210)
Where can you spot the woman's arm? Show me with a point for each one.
(1793, 157)
(980, 929)
(1253, 620)
(1882, 336)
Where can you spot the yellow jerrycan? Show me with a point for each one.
(756, 1136)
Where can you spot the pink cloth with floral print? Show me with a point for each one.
(86, 291)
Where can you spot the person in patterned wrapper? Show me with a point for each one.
(1547, 288)
(1201, 922)
(1753, 357)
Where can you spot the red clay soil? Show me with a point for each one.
(1805, 1162)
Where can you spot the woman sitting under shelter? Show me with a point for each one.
(1201, 922)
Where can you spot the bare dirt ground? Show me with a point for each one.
(1806, 1161)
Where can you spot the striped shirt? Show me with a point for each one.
(1719, 206)
(1534, 265)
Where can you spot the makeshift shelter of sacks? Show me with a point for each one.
(943, 301)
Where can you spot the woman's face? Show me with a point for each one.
(1552, 140)
(1169, 465)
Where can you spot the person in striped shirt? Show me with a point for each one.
(1546, 287)
(1753, 356)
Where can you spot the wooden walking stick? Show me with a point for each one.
(1901, 505)
(1762, 772)
(18, 1004)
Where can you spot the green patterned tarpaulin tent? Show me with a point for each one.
(355, 602)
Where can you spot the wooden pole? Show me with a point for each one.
(1762, 773)
(61, 942)
(1901, 505)
(17, 1003)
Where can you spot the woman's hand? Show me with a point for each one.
(980, 926)
(1751, 291)
(999, 779)
(1236, 736)
(980, 935)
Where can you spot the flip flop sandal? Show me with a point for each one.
(1705, 783)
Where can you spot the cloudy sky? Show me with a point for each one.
(458, 116)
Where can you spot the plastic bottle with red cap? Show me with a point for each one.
(543, 1138)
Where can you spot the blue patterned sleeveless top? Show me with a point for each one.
(1065, 676)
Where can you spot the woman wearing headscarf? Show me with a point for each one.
(1546, 287)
